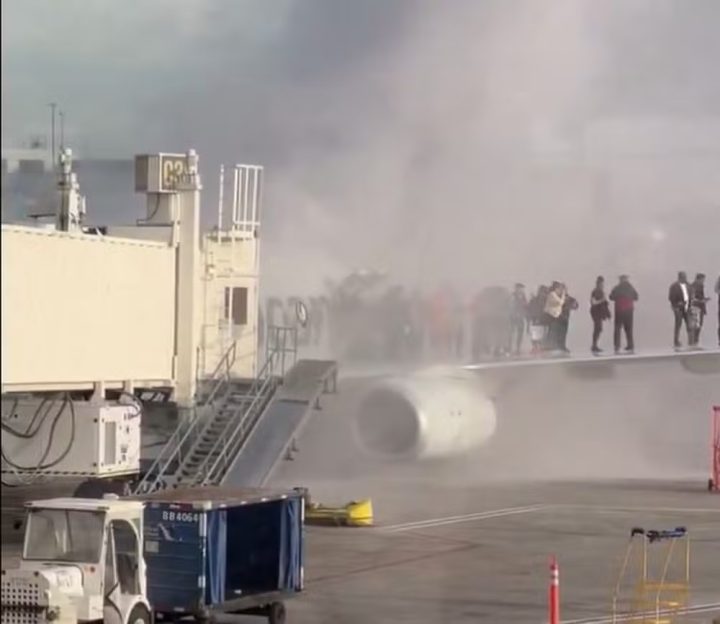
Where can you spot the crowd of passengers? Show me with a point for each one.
(361, 318)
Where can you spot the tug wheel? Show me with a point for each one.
(139, 615)
(277, 613)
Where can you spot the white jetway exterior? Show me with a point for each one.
(80, 309)
(230, 278)
(157, 304)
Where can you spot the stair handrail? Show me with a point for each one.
(175, 443)
(239, 435)
(227, 361)
(170, 450)
(258, 392)
(275, 357)
(276, 345)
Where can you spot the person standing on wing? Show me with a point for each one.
(518, 318)
(599, 311)
(536, 312)
(624, 295)
(553, 309)
(698, 308)
(679, 298)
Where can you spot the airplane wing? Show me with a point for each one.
(499, 376)
(698, 360)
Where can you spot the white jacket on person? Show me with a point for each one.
(554, 304)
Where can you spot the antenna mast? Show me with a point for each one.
(53, 106)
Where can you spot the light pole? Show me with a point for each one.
(62, 130)
(53, 106)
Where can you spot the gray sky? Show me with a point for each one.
(470, 140)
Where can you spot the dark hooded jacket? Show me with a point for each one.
(624, 295)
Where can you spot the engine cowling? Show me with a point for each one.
(426, 416)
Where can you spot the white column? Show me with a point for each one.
(188, 296)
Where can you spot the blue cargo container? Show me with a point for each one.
(219, 550)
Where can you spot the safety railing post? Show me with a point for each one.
(221, 199)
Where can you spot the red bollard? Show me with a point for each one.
(554, 594)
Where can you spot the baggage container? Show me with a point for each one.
(221, 550)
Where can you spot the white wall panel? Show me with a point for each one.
(77, 309)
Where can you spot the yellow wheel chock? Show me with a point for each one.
(354, 514)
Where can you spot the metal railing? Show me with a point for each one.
(282, 341)
(172, 451)
(281, 350)
(231, 439)
(223, 372)
(182, 446)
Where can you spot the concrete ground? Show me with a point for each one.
(482, 556)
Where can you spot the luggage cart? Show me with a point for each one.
(653, 585)
(714, 480)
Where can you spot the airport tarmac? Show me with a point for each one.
(482, 555)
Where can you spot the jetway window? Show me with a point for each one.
(236, 305)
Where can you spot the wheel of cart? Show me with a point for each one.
(276, 613)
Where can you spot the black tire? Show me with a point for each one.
(97, 488)
(204, 618)
(140, 615)
(277, 613)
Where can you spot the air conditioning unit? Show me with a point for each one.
(63, 438)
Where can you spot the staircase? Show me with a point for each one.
(200, 451)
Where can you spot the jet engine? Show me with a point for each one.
(426, 416)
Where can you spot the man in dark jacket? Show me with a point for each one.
(599, 311)
(698, 308)
(679, 298)
(624, 296)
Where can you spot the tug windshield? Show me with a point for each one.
(64, 535)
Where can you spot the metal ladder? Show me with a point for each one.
(200, 451)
